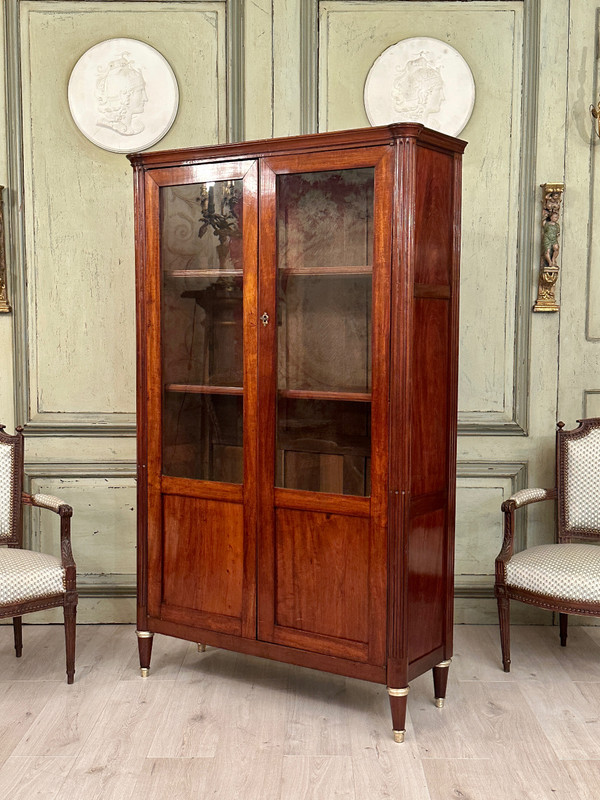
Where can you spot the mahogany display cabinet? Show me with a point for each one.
(297, 327)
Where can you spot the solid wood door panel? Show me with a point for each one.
(322, 556)
(203, 562)
(322, 589)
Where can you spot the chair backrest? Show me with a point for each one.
(11, 487)
(578, 480)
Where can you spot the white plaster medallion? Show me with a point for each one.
(123, 95)
(420, 80)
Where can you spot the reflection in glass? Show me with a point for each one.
(202, 436)
(324, 309)
(202, 327)
(325, 219)
(324, 446)
(324, 333)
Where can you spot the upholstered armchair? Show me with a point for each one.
(563, 577)
(32, 581)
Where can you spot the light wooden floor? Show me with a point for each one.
(220, 725)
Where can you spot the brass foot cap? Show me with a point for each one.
(439, 701)
(399, 736)
(201, 648)
(144, 671)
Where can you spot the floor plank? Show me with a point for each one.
(223, 725)
(28, 777)
(317, 777)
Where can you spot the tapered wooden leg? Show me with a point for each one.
(440, 682)
(70, 615)
(18, 632)
(145, 650)
(563, 622)
(398, 705)
(504, 620)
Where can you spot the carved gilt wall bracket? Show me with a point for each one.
(4, 304)
(551, 201)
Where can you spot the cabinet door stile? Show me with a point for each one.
(382, 246)
(251, 427)
(267, 376)
(151, 335)
(400, 430)
(141, 261)
(150, 344)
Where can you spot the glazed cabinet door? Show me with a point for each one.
(201, 422)
(323, 376)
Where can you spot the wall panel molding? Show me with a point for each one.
(115, 474)
(502, 477)
(591, 403)
(50, 420)
(309, 66)
(88, 425)
(235, 72)
(513, 419)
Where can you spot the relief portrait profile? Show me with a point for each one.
(418, 91)
(421, 80)
(123, 95)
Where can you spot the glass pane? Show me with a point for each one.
(324, 446)
(202, 325)
(325, 219)
(324, 306)
(202, 436)
(324, 332)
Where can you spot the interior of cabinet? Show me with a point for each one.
(202, 330)
(324, 306)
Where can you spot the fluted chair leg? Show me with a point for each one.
(504, 620)
(70, 614)
(18, 632)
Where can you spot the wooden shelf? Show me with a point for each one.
(204, 273)
(332, 271)
(291, 394)
(238, 273)
(309, 394)
(355, 446)
(195, 388)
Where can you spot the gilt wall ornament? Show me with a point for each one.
(551, 200)
(123, 95)
(420, 80)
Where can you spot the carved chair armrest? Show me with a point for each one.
(48, 501)
(526, 496)
(65, 511)
(523, 497)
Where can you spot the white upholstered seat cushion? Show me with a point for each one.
(565, 571)
(26, 575)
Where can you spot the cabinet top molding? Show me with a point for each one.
(358, 137)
